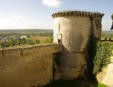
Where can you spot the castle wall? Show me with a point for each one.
(27, 67)
(74, 40)
(73, 30)
(97, 27)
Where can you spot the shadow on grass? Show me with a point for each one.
(74, 83)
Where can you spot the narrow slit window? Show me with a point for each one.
(59, 41)
(59, 38)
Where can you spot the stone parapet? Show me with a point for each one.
(77, 13)
(29, 66)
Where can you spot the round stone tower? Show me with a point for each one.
(73, 29)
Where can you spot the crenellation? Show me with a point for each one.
(76, 13)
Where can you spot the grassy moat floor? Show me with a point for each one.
(74, 83)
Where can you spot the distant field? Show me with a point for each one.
(41, 38)
(26, 30)
(10, 38)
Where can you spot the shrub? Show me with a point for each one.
(102, 57)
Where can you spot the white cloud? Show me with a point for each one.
(17, 16)
(7, 22)
(106, 25)
(23, 22)
(52, 3)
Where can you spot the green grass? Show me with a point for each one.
(74, 83)
(101, 85)
(64, 83)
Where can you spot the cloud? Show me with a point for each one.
(12, 22)
(52, 3)
(106, 25)
(17, 16)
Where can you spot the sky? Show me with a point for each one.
(36, 14)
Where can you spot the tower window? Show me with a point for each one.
(59, 37)
(59, 41)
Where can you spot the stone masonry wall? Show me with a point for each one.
(73, 30)
(27, 67)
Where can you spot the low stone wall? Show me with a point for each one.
(27, 67)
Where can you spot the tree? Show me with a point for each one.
(112, 22)
(112, 16)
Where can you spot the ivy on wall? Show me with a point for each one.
(102, 56)
(91, 55)
(99, 53)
